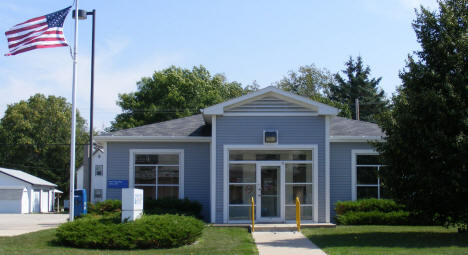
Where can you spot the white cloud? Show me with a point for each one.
(49, 72)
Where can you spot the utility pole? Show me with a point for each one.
(356, 102)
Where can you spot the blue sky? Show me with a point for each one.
(243, 39)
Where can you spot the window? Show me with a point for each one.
(368, 183)
(98, 170)
(98, 194)
(158, 175)
(299, 184)
(247, 177)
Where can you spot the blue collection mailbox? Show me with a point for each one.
(80, 202)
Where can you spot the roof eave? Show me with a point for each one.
(153, 138)
(355, 139)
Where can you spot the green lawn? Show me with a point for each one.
(213, 241)
(364, 240)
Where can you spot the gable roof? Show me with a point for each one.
(26, 177)
(195, 127)
(344, 129)
(319, 108)
(192, 126)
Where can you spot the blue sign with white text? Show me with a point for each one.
(117, 184)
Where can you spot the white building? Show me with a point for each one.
(98, 177)
(21, 192)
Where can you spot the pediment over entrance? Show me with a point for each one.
(270, 101)
(269, 104)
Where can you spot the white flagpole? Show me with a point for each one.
(73, 122)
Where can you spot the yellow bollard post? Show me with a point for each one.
(298, 214)
(253, 214)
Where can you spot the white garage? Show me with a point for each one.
(21, 192)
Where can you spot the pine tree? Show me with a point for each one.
(426, 147)
(358, 85)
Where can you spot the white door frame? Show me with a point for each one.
(281, 185)
(228, 147)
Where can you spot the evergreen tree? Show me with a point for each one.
(313, 82)
(426, 147)
(358, 85)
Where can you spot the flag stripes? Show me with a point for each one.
(41, 32)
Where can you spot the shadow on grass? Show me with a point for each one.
(389, 239)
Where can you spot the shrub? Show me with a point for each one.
(108, 206)
(172, 206)
(106, 232)
(374, 218)
(368, 205)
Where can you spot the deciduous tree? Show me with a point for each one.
(35, 137)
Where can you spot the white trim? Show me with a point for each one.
(258, 172)
(354, 139)
(327, 169)
(226, 148)
(225, 183)
(153, 138)
(132, 152)
(213, 169)
(322, 109)
(270, 114)
(354, 153)
(104, 172)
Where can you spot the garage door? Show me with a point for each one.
(37, 201)
(10, 200)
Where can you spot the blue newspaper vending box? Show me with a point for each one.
(80, 202)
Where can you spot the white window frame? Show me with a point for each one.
(314, 161)
(271, 130)
(180, 152)
(354, 165)
(95, 169)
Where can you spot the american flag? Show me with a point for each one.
(41, 32)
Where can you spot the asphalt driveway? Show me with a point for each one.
(17, 224)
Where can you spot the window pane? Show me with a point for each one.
(303, 191)
(97, 194)
(270, 155)
(242, 173)
(366, 192)
(306, 212)
(98, 170)
(146, 159)
(241, 194)
(145, 175)
(298, 173)
(169, 159)
(149, 192)
(367, 175)
(168, 191)
(368, 160)
(168, 175)
(239, 212)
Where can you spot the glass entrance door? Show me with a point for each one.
(269, 193)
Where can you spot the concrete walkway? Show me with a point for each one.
(283, 243)
(17, 224)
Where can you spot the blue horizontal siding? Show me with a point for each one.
(249, 131)
(196, 168)
(340, 172)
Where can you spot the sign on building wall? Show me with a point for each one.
(117, 184)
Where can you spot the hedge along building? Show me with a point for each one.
(271, 145)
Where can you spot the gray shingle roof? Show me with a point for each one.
(26, 177)
(195, 126)
(340, 126)
(189, 126)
